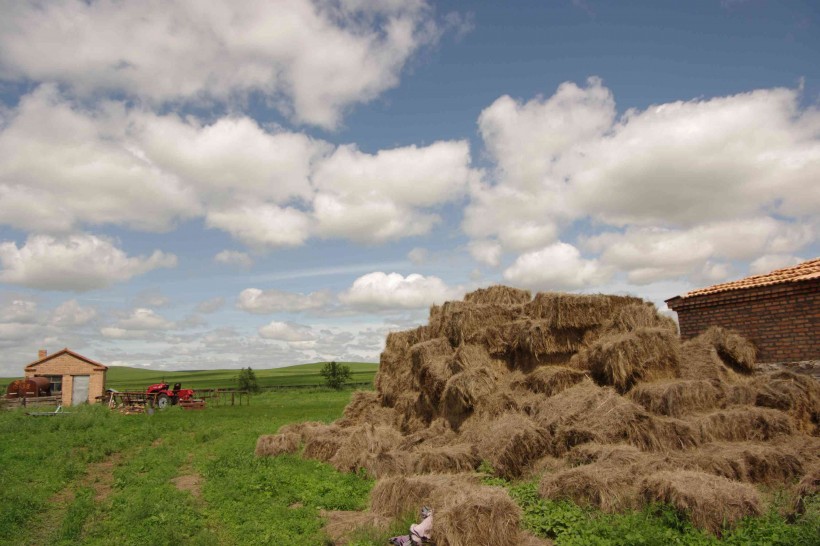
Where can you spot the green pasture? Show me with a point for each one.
(96, 476)
(124, 378)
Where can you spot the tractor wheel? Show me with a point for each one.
(163, 401)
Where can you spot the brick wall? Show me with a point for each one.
(68, 366)
(783, 320)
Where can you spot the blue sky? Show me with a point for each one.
(224, 184)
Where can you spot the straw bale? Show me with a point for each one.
(527, 539)
(365, 407)
(746, 462)
(463, 391)
(403, 340)
(744, 423)
(502, 295)
(742, 393)
(454, 458)
(322, 442)
(796, 394)
(438, 434)
(633, 316)
(614, 454)
(462, 322)
(271, 445)
(341, 524)
(645, 354)
(588, 413)
(408, 417)
(472, 356)
(510, 443)
(736, 351)
(576, 310)
(397, 496)
(387, 463)
(700, 360)
(807, 487)
(534, 337)
(430, 366)
(710, 501)
(551, 380)
(478, 515)
(302, 429)
(607, 487)
(678, 397)
(361, 443)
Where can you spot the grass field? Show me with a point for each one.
(96, 476)
(125, 378)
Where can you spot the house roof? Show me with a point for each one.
(69, 352)
(801, 272)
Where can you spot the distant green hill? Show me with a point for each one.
(124, 378)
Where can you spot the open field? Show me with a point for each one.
(126, 378)
(99, 477)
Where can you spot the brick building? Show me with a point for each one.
(779, 312)
(76, 378)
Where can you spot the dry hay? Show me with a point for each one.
(361, 444)
(534, 338)
(710, 501)
(604, 486)
(700, 359)
(576, 310)
(430, 366)
(271, 445)
(746, 462)
(395, 374)
(471, 357)
(736, 351)
(302, 429)
(341, 524)
(498, 294)
(387, 463)
(527, 539)
(409, 417)
(322, 442)
(550, 380)
(454, 458)
(463, 391)
(613, 454)
(510, 442)
(588, 413)
(744, 423)
(634, 316)
(398, 496)
(477, 515)
(796, 394)
(679, 397)
(621, 360)
(365, 407)
(438, 434)
(809, 486)
(462, 322)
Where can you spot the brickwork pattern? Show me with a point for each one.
(68, 366)
(783, 320)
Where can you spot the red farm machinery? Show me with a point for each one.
(162, 396)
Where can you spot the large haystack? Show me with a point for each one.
(595, 394)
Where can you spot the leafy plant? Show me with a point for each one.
(247, 380)
(336, 375)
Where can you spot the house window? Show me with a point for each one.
(56, 383)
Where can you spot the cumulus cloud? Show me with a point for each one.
(233, 257)
(380, 290)
(559, 266)
(263, 302)
(688, 185)
(287, 331)
(378, 197)
(211, 305)
(311, 60)
(263, 225)
(770, 262)
(18, 310)
(70, 313)
(77, 262)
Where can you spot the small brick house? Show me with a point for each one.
(74, 377)
(778, 311)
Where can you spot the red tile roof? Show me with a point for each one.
(70, 352)
(796, 273)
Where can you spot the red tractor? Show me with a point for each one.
(162, 396)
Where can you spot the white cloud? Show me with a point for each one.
(486, 252)
(770, 262)
(556, 267)
(418, 255)
(144, 319)
(262, 225)
(263, 302)
(311, 60)
(233, 257)
(18, 310)
(70, 313)
(211, 305)
(380, 290)
(77, 262)
(287, 331)
(383, 196)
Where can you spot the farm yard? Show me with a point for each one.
(555, 419)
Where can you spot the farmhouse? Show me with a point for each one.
(778, 311)
(76, 378)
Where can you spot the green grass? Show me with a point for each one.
(98, 477)
(125, 378)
